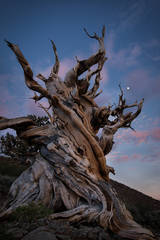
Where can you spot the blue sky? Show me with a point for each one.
(133, 50)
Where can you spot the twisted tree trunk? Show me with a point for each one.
(70, 173)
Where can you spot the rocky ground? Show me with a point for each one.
(30, 223)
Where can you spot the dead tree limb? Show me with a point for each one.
(55, 68)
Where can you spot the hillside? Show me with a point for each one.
(144, 209)
(133, 197)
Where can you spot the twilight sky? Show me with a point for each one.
(133, 51)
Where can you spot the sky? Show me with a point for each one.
(133, 49)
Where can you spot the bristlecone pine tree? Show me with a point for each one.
(70, 173)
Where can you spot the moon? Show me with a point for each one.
(128, 88)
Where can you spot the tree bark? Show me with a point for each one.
(70, 173)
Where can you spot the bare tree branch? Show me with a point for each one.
(122, 121)
(47, 112)
(98, 93)
(41, 77)
(36, 98)
(83, 65)
(55, 68)
(30, 82)
(15, 123)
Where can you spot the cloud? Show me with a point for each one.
(65, 66)
(152, 49)
(104, 75)
(122, 158)
(125, 57)
(150, 157)
(154, 156)
(128, 17)
(141, 136)
(155, 121)
(119, 157)
(131, 14)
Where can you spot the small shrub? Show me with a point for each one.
(30, 213)
(10, 167)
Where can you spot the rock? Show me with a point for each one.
(41, 233)
(60, 230)
(17, 233)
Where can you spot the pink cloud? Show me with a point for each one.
(65, 66)
(155, 134)
(119, 157)
(123, 158)
(104, 75)
(141, 136)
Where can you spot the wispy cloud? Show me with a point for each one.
(120, 157)
(141, 136)
(124, 57)
(65, 65)
(150, 157)
(151, 49)
(131, 13)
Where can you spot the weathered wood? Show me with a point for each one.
(70, 173)
(15, 123)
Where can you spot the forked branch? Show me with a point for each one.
(30, 82)
(124, 119)
(84, 65)
(101, 118)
